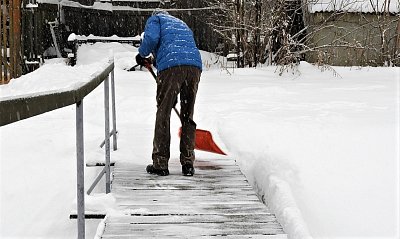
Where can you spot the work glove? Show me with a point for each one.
(142, 61)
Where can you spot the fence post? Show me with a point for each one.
(4, 15)
(107, 132)
(11, 39)
(1, 47)
(17, 38)
(80, 170)
(113, 111)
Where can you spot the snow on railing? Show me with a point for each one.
(21, 104)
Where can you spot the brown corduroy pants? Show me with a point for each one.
(182, 80)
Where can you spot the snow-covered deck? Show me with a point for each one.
(216, 201)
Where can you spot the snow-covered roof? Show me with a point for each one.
(57, 1)
(365, 6)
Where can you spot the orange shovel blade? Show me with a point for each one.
(204, 141)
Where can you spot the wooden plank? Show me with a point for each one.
(225, 169)
(182, 184)
(177, 174)
(246, 208)
(175, 162)
(170, 194)
(214, 188)
(188, 218)
(174, 174)
(191, 229)
(145, 178)
(199, 171)
(148, 204)
(279, 236)
(210, 198)
(219, 163)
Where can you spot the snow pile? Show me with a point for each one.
(269, 176)
(99, 203)
(314, 142)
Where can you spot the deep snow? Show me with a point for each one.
(320, 147)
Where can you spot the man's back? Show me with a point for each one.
(171, 41)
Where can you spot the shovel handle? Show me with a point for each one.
(148, 67)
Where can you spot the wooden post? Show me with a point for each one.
(1, 45)
(21, 43)
(10, 47)
(11, 38)
(17, 38)
(30, 35)
(36, 16)
(398, 39)
(4, 41)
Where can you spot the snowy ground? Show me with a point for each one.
(320, 147)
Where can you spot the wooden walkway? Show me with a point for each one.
(216, 202)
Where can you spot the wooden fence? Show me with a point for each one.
(29, 30)
(10, 42)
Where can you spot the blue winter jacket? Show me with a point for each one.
(171, 42)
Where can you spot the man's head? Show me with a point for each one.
(158, 11)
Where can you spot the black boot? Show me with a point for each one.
(160, 172)
(188, 170)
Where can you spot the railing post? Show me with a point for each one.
(113, 111)
(80, 170)
(107, 132)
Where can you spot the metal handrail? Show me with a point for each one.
(17, 108)
(21, 107)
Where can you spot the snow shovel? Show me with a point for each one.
(203, 138)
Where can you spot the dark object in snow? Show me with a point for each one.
(89, 216)
(133, 68)
(188, 170)
(142, 61)
(160, 172)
